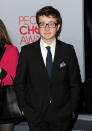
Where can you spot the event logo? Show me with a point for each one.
(28, 29)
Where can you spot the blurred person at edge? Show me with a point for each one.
(8, 62)
(47, 81)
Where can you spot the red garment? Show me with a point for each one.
(9, 63)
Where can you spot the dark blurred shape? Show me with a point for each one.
(88, 54)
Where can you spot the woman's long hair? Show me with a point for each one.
(4, 37)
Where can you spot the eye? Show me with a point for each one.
(52, 24)
(42, 24)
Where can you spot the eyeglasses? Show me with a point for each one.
(50, 25)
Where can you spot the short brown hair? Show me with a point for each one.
(50, 11)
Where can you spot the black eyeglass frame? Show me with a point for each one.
(48, 24)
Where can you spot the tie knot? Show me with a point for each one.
(48, 48)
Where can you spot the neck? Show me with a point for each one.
(48, 42)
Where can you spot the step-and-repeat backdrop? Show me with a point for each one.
(19, 18)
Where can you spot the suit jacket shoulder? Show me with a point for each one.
(31, 45)
(64, 45)
(66, 48)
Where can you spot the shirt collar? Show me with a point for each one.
(43, 45)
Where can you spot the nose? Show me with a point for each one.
(47, 27)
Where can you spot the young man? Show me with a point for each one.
(48, 79)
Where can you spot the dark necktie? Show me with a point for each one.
(49, 61)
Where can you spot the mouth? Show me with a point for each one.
(47, 33)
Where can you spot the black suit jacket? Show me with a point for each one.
(34, 89)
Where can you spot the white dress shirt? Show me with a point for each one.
(43, 46)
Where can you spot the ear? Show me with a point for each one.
(37, 26)
(58, 27)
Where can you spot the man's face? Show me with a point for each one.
(48, 28)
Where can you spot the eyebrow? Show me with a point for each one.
(48, 22)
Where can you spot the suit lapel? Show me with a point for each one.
(41, 62)
(57, 58)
